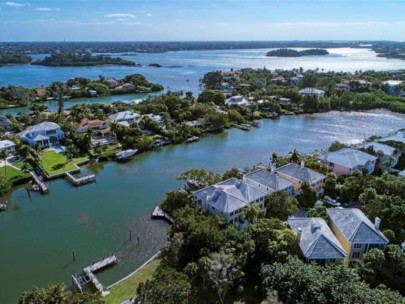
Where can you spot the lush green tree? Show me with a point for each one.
(213, 79)
(251, 212)
(336, 145)
(216, 120)
(280, 204)
(175, 200)
(308, 196)
(208, 96)
(295, 156)
(167, 286)
(232, 173)
(200, 178)
(330, 184)
(235, 116)
(318, 211)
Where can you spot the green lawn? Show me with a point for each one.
(55, 163)
(127, 289)
(13, 174)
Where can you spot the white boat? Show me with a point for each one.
(3, 207)
(126, 154)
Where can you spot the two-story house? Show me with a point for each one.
(228, 199)
(125, 118)
(312, 92)
(7, 146)
(347, 160)
(316, 241)
(45, 134)
(268, 181)
(298, 174)
(355, 232)
(389, 155)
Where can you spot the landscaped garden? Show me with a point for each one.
(55, 163)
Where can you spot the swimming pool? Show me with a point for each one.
(59, 149)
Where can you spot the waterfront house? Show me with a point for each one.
(101, 130)
(125, 118)
(237, 101)
(298, 174)
(362, 83)
(279, 80)
(389, 155)
(8, 146)
(392, 86)
(268, 181)
(228, 199)
(316, 241)
(347, 160)
(156, 118)
(355, 232)
(5, 123)
(92, 93)
(342, 87)
(401, 174)
(45, 134)
(312, 92)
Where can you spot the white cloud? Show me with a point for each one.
(149, 14)
(120, 16)
(15, 4)
(42, 9)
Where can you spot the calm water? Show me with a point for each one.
(37, 235)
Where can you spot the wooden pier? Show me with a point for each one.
(89, 275)
(81, 180)
(244, 127)
(158, 213)
(41, 185)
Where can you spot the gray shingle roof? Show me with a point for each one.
(386, 150)
(349, 158)
(317, 240)
(124, 116)
(269, 179)
(43, 126)
(6, 144)
(355, 226)
(301, 173)
(229, 195)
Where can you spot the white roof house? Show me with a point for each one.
(125, 118)
(390, 154)
(311, 92)
(228, 198)
(392, 86)
(7, 145)
(237, 100)
(402, 173)
(345, 161)
(317, 242)
(268, 181)
(45, 134)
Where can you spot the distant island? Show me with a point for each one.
(70, 59)
(14, 58)
(295, 53)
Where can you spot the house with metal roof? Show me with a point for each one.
(389, 155)
(228, 198)
(8, 146)
(311, 92)
(45, 134)
(298, 174)
(268, 181)
(237, 101)
(347, 160)
(317, 242)
(355, 232)
(125, 118)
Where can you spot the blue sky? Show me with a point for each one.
(131, 20)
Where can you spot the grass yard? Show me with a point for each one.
(55, 163)
(127, 289)
(13, 175)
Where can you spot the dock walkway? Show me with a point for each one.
(41, 185)
(158, 213)
(81, 180)
(89, 275)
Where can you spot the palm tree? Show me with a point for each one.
(295, 156)
(3, 157)
(252, 211)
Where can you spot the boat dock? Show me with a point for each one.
(158, 213)
(89, 275)
(41, 185)
(81, 180)
(244, 127)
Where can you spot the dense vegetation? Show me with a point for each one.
(71, 59)
(76, 88)
(13, 58)
(295, 53)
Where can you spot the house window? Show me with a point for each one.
(357, 246)
(231, 214)
(212, 207)
(356, 255)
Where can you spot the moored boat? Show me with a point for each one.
(3, 207)
(126, 154)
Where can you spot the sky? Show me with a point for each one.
(198, 20)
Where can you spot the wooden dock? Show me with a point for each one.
(158, 213)
(41, 185)
(81, 180)
(89, 275)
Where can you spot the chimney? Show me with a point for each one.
(299, 233)
(377, 223)
(302, 164)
